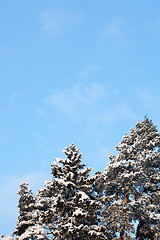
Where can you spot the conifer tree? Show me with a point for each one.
(75, 205)
(28, 224)
(73, 208)
(132, 181)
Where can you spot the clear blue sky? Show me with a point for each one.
(71, 71)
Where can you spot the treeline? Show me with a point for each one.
(119, 203)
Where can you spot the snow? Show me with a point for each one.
(84, 196)
(63, 182)
(79, 212)
(36, 230)
(9, 237)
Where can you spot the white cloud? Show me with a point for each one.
(113, 28)
(79, 100)
(87, 71)
(149, 100)
(40, 112)
(92, 102)
(54, 22)
(17, 96)
(145, 96)
(119, 33)
(120, 111)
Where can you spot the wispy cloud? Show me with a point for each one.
(113, 28)
(54, 22)
(149, 100)
(77, 101)
(16, 96)
(120, 111)
(119, 33)
(87, 71)
(42, 113)
(88, 102)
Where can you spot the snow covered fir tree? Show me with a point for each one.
(73, 211)
(29, 225)
(123, 202)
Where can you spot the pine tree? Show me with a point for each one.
(73, 208)
(75, 205)
(28, 224)
(132, 183)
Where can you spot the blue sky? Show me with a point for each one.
(71, 71)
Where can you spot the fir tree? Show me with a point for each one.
(28, 224)
(73, 208)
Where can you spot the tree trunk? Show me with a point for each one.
(122, 231)
(127, 198)
(122, 234)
